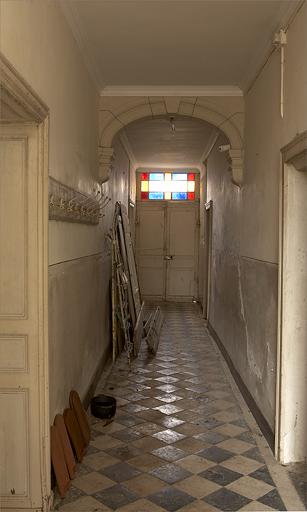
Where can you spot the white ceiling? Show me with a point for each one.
(174, 42)
(154, 144)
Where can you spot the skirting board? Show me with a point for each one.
(260, 419)
(104, 362)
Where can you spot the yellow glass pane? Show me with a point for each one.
(144, 186)
(191, 186)
(168, 196)
(168, 176)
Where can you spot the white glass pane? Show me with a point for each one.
(168, 186)
(180, 176)
(156, 176)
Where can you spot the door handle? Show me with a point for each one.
(168, 257)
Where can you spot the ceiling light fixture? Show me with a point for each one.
(172, 123)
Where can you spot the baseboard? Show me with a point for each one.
(105, 360)
(260, 419)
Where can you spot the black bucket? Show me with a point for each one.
(103, 406)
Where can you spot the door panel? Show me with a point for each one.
(20, 436)
(150, 249)
(181, 238)
(13, 205)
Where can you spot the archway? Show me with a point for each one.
(179, 107)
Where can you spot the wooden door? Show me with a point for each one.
(150, 249)
(23, 440)
(181, 245)
(166, 249)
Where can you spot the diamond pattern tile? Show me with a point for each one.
(179, 440)
(223, 499)
(116, 496)
(171, 499)
(170, 473)
(220, 475)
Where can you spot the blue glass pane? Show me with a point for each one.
(156, 195)
(180, 176)
(156, 176)
(179, 196)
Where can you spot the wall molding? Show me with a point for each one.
(295, 152)
(171, 90)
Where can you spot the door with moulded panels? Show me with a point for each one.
(167, 235)
(24, 395)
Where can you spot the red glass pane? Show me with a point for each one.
(191, 176)
(191, 196)
(144, 195)
(144, 176)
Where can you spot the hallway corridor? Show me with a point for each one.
(182, 438)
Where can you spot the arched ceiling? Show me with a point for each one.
(156, 143)
(174, 42)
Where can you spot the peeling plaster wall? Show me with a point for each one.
(37, 40)
(244, 295)
(243, 303)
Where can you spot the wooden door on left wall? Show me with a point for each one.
(22, 435)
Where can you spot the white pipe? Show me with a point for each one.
(282, 71)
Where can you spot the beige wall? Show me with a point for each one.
(244, 296)
(36, 39)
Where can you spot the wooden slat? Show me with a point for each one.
(66, 446)
(74, 433)
(76, 405)
(58, 462)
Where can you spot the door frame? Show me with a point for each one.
(288, 373)
(207, 259)
(25, 107)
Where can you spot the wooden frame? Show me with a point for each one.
(22, 106)
(208, 259)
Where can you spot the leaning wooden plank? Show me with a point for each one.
(114, 318)
(138, 331)
(126, 267)
(131, 261)
(58, 462)
(76, 404)
(66, 446)
(74, 433)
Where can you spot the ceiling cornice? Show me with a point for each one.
(71, 16)
(286, 16)
(171, 90)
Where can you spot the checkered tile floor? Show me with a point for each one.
(179, 440)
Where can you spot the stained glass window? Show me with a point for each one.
(168, 186)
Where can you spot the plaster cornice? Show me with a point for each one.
(171, 90)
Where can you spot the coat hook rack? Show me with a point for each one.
(69, 205)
